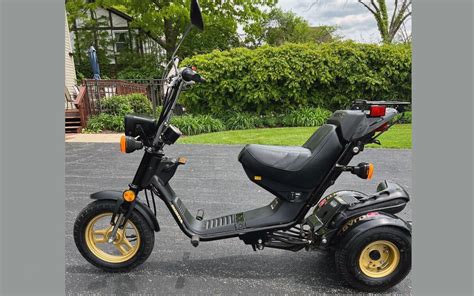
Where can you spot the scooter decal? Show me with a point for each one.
(177, 214)
(356, 220)
(326, 199)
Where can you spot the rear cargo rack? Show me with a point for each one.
(365, 105)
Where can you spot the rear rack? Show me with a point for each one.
(365, 105)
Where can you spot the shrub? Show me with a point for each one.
(133, 66)
(272, 120)
(197, 124)
(241, 121)
(306, 117)
(406, 118)
(104, 121)
(140, 104)
(126, 104)
(95, 124)
(280, 79)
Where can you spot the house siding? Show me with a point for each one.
(70, 70)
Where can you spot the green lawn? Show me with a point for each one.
(399, 136)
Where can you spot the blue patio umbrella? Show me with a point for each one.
(94, 62)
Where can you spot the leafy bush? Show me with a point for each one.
(278, 79)
(140, 104)
(240, 121)
(95, 124)
(406, 118)
(133, 66)
(306, 117)
(104, 121)
(126, 104)
(198, 124)
(272, 120)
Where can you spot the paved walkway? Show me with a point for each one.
(93, 138)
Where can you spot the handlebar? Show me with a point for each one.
(189, 74)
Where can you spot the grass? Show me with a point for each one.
(399, 136)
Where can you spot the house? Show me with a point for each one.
(69, 68)
(112, 25)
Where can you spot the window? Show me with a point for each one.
(121, 41)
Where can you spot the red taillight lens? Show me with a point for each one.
(382, 128)
(377, 110)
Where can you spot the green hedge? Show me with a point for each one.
(126, 104)
(198, 124)
(306, 117)
(114, 109)
(104, 121)
(278, 79)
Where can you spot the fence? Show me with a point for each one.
(93, 91)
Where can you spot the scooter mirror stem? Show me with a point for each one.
(345, 168)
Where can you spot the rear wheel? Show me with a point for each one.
(132, 245)
(375, 260)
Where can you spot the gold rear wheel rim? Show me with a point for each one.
(379, 259)
(121, 249)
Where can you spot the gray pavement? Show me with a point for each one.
(213, 180)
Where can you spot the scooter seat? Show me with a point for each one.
(289, 158)
(300, 167)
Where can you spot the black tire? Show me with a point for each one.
(347, 259)
(96, 208)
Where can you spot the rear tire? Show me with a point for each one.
(375, 260)
(132, 249)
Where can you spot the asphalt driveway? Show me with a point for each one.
(213, 180)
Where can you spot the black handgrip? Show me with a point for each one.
(189, 75)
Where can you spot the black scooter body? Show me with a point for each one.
(293, 198)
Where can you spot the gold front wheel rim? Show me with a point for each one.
(121, 249)
(379, 259)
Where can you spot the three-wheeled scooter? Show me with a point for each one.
(372, 246)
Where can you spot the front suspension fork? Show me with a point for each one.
(123, 211)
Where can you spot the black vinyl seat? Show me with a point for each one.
(303, 167)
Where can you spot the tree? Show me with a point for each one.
(388, 28)
(83, 11)
(219, 33)
(279, 27)
(166, 20)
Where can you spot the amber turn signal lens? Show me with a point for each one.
(129, 195)
(370, 172)
(123, 144)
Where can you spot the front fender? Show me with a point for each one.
(357, 225)
(139, 206)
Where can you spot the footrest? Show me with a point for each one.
(195, 240)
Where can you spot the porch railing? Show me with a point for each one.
(92, 92)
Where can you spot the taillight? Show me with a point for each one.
(382, 128)
(377, 110)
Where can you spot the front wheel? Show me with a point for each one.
(375, 260)
(132, 246)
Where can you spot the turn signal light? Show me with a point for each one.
(377, 110)
(129, 144)
(370, 171)
(363, 170)
(129, 195)
(123, 144)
